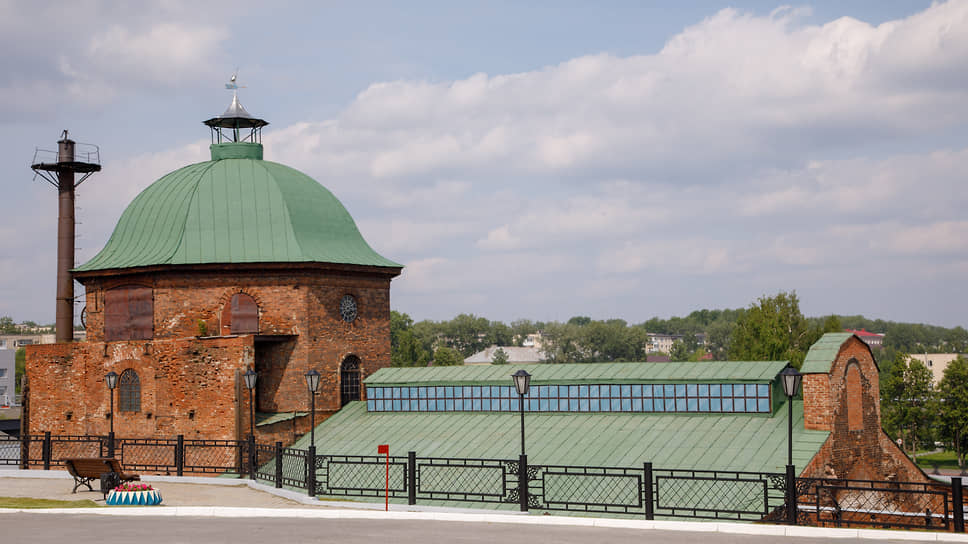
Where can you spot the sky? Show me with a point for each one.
(533, 160)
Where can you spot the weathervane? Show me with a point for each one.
(232, 85)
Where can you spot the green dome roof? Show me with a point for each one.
(235, 208)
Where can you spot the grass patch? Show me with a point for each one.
(23, 502)
(943, 459)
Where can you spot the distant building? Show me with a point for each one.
(534, 340)
(936, 363)
(659, 342)
(14, 341)
(872, 339)
(7, 376)
(516, 355)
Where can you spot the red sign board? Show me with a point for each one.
(383, 448)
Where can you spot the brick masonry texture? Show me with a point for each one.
(192, 385)
(858, 448)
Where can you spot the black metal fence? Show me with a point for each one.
(637, 491)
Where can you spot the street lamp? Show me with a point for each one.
(522, 381)
(250, 379)
(111, 378)
(312, 382)
(790, 379)
(791, 386)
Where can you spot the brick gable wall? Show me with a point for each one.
(857, 447)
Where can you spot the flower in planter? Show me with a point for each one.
(128, 486)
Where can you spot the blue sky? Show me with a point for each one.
(534, 159)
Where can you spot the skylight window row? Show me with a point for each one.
(719, 398)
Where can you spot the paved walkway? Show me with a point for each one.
(218, 498)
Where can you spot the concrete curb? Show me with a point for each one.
(697, 527)
(351, 510)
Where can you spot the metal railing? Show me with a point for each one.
(632, 491)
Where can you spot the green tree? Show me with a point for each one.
(444, 356)
(20, 367)
(953, 394)
(773, 329)
(580, 320)
(717, 338)
(908, 402)
(7, 326)
(500, 357)
(679, 351)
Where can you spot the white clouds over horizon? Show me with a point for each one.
(751, 153)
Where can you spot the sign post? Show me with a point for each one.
(385, 449)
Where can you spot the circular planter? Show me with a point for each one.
(134, 498)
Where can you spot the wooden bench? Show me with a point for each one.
(107, 469)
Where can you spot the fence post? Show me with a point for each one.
(958, 506)
(278, 465)
(411, 477)
(111, 444)
(523, 481)
(791, 495)
(252, 457)
(649, 508)
(311, 470)
(25, 451)
(46, 451)
(180, 455)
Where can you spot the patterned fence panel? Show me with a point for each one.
(213, 456)
(265, 463)
(10, 450)
(146, 454)
(67, 447)
(466, 480)
(360, 475)
(838, 503)
(294, 467)
(586, 489)
(716, 494)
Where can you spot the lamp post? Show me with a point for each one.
(312, 383)
(522, 382)
(111, 378)
(250, 379)
(791, 385)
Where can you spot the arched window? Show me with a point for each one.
(241, 315)
(855, 397)
(128, 313)
(349, 379)
(129, 391)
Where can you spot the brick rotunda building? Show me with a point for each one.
(227, 265)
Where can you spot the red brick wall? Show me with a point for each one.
(188, 386)
(298, 308)
(857, 447)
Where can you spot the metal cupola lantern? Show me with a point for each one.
(236, 133)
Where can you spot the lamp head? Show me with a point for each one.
(522, 381)
(312, 380)
(791, 381)
(112, 379)
(250, 379)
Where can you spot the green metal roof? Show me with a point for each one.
(270, 418)
(235, 210)
(823, 352)
(703, 441)
(712, 372)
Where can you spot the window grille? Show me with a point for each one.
(129, 391)
(349, 379)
